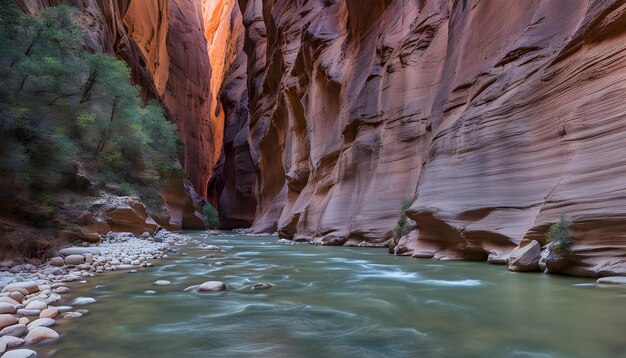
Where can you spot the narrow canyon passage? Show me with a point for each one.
(318, 119)
(312, 178)
(340, 302)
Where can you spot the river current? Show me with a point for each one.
(340, 302)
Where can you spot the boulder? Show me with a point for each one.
(72, 315)
(495, 258)
(20, 353)
(612, 280)
(18, 296)
(80, 251)
(49, 312)
(8, 299)
(124, 213)
(74, 260)
(62, 289)
(81, 301)
(11, 341)
(7, 307)
(162, 283)
(16, 330)
(36, 305)
(41, 334)
(57, 261)
(7, 320)
(25, 312)
(211, 286)
(42, 322)
(525, 258)
(28, 286)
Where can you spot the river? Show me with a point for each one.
(340, 302)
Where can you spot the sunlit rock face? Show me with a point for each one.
(163, 42)
(232, 188)
(492, 118)
(170, 34)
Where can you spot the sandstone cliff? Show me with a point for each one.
(494, 118)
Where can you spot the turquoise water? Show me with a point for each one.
(341, 302)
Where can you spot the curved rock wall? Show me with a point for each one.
(232, 188)
(492, 118)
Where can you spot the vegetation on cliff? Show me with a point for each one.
(560, 234)
(72, 124)
(211, 217)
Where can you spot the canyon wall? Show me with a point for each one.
(163, 43)
(232, 189)
(493, 118)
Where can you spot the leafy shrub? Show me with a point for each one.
(61, 105)
(124, 189)
(402, 227)
(560, 234)
(211, 217)
(85, 119)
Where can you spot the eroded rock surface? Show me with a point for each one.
(493, 118)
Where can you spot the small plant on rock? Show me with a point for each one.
(211, 217)
(402, 227)
(560, 234)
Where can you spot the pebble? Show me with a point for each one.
(72, 315)
(25, 312)
(7, 307)
(81, 301)
(612, 280)
(23, 320)
(74, 259)
(61, 289)
(41, 334)
(19, 297)
(209, 286)
(57, 261)
(149, 292)
(16, 330)
(28, 289)
(20, 353)
(262, 286)
(7, 320)
(12, 342)
(41, 322)
(162, 283)
(9, 300)
(36, 305)
(28, 286)
(49, 312)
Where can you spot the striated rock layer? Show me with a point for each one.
(493, 118)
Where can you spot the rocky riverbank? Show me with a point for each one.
(29, 294)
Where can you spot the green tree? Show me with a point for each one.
(46, 51)
(211, 217)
